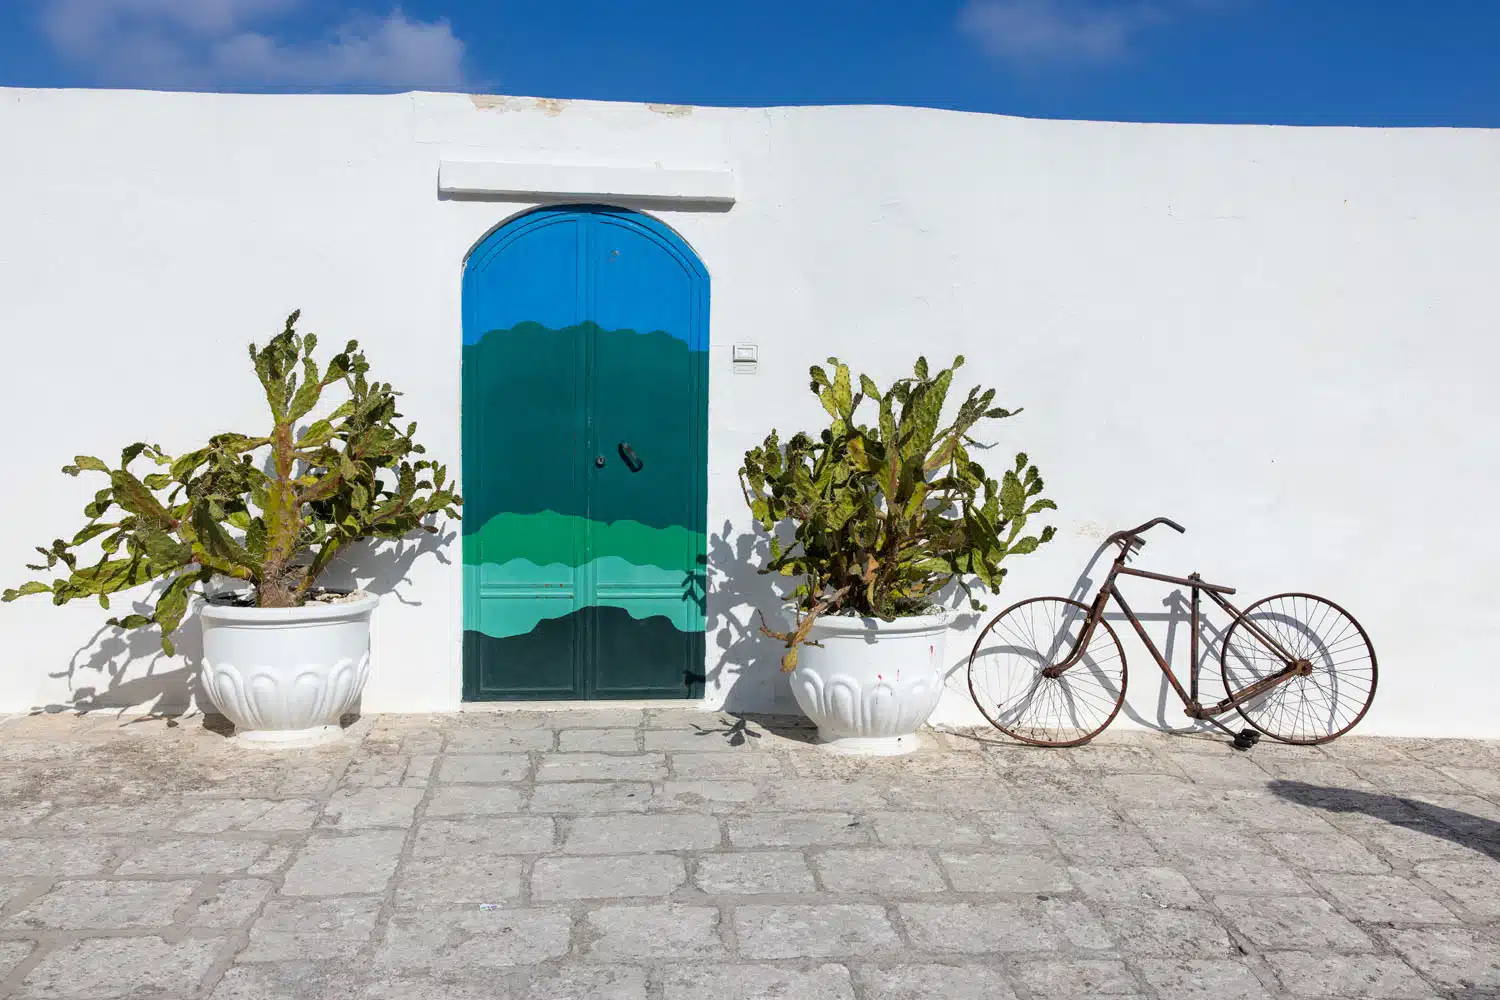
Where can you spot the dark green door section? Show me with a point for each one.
(585, 459)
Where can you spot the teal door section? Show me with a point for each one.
(584, 459)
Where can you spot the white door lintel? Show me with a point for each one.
(539, 181)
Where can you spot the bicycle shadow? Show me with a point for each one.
(1069, 627)
(1474, 832)
(1177, 618)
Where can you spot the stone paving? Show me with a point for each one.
(614, 854)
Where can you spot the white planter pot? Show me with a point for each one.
(871, 684)
(285, 676)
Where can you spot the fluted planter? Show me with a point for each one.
(285, 676)
(871, 684)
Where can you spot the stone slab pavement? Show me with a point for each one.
(622, 854)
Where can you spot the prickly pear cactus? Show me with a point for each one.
(271, 511)
(886, 516)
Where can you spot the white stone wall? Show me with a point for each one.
(1283, 338)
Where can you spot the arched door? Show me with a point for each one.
(584, 459)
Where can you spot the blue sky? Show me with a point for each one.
(1355, 62)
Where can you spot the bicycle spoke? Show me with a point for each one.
(1307, 708)
(1006, 679)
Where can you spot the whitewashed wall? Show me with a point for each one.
(1283, 338)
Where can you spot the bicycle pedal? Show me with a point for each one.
(1245, 739)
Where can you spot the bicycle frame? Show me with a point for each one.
(1293, 666)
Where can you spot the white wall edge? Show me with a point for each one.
(554, 180)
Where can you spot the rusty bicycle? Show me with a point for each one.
(1050, 671)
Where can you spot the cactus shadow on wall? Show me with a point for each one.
(383, 567)
(748, 663)
(128, 672)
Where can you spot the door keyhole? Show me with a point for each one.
(598, 461)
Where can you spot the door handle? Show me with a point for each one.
(628, 454)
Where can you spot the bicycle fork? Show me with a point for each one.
(1096, 614)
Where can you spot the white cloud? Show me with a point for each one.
(1034, 32)
(83, 26)
(393, 50)
(218, 44)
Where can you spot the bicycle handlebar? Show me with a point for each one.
(1126, 538)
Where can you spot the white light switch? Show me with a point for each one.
(746, 359)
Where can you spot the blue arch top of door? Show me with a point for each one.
(546, 285)
(584, 327)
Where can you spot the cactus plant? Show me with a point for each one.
(271, 511)
(886, 516)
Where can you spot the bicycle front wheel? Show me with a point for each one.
(1313, 708)
(1008, 686)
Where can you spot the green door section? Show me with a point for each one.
(584, 459)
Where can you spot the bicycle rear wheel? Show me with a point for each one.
(1317, 707)
(1007, 684)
